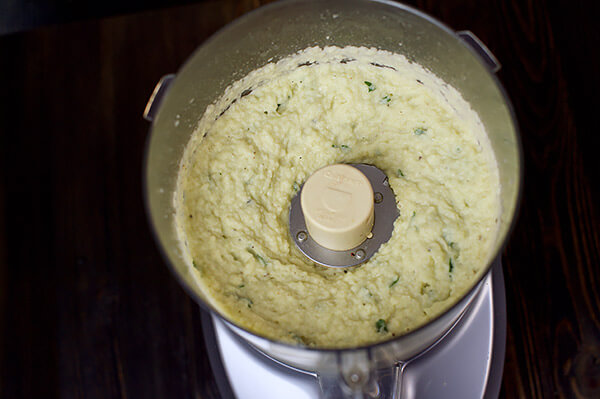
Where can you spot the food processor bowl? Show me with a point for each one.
(278, 30)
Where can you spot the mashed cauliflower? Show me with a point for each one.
(257, 144)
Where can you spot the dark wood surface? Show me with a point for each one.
(89, 310)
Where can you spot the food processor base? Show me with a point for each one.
(467, 363)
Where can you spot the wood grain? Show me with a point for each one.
(87, 307)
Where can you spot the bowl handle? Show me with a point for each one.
(480, 49)
(156, 97)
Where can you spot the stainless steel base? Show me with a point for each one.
(467, 363)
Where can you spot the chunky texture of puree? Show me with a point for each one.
(258, 143)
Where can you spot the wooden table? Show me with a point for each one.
(88, 308)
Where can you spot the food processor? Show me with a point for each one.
(459, 353)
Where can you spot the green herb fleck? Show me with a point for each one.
(424, 288)
(450, 265)
(386, 99)
(412, 219)
(381, 326)
(278, 107)
(370, 85)
(450, 244)
(419, 131)
(266, 112)
(296, 186)
(299, 339)
(195, 265)
(257, 256)
(342, 146)
(243, 298)
(250, 303)
(399, 173)
(241, 286)
(395, 281)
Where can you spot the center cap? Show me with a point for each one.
(337, 202)
(342, 214)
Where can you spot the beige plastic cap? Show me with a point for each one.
(337, 202)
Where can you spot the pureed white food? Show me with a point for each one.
(259, 142)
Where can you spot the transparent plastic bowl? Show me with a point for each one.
(276, 31)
